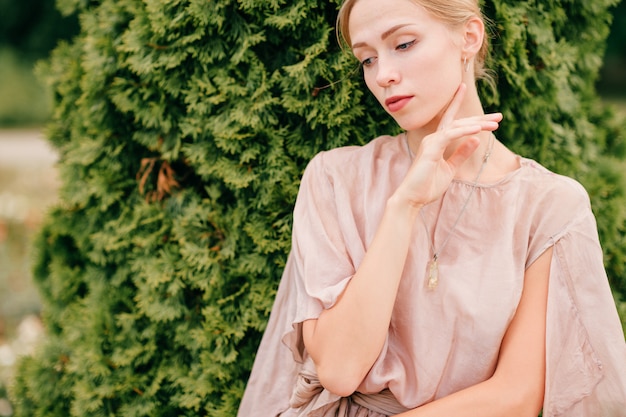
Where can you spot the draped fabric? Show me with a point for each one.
(445, 340)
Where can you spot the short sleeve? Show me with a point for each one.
(585, 349)
(322, 257)
(318, 268)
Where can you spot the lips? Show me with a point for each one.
(396, 103)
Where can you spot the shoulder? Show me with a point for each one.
(544, 185)
(351, 162)
(553, 202)
(546, 207)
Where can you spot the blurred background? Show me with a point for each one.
(612, 82)
(29, 30)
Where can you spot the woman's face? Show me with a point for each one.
(412, 63)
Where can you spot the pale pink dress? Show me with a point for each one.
(445, 340)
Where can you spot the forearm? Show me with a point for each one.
(517, 387)
(492, 398)
(345, 340)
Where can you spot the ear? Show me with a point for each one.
(473, 36)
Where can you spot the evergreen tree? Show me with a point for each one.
(183, 128)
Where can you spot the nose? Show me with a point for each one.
(387, 72)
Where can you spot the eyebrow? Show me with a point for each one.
(384, 36)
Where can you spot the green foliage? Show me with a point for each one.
(183, 128)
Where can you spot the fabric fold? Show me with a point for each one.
(585, 353)
(311, 399)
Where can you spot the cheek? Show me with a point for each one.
(369, 77)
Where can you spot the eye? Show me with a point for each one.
(367, 62)
(405, 45)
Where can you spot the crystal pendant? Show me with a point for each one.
(433, 274)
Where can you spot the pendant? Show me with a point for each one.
(433, 274)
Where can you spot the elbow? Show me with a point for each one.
(524, 400)
(525, 407)
(340, 380)
(532, 402)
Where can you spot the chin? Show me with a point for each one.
(410, 123)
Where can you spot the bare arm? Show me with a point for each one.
(516, 389)
(346, 339)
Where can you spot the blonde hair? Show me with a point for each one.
(450, 12)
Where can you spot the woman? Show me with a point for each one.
(441, 274)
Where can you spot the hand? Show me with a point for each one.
(431, 173)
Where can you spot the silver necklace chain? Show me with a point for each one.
(433, 276)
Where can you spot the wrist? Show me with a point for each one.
(402, 207)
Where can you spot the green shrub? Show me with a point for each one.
(183, 128)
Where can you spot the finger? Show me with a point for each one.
(434, 146)
(485, 125)
(463, 152)
(473, 120)
(453, 107)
